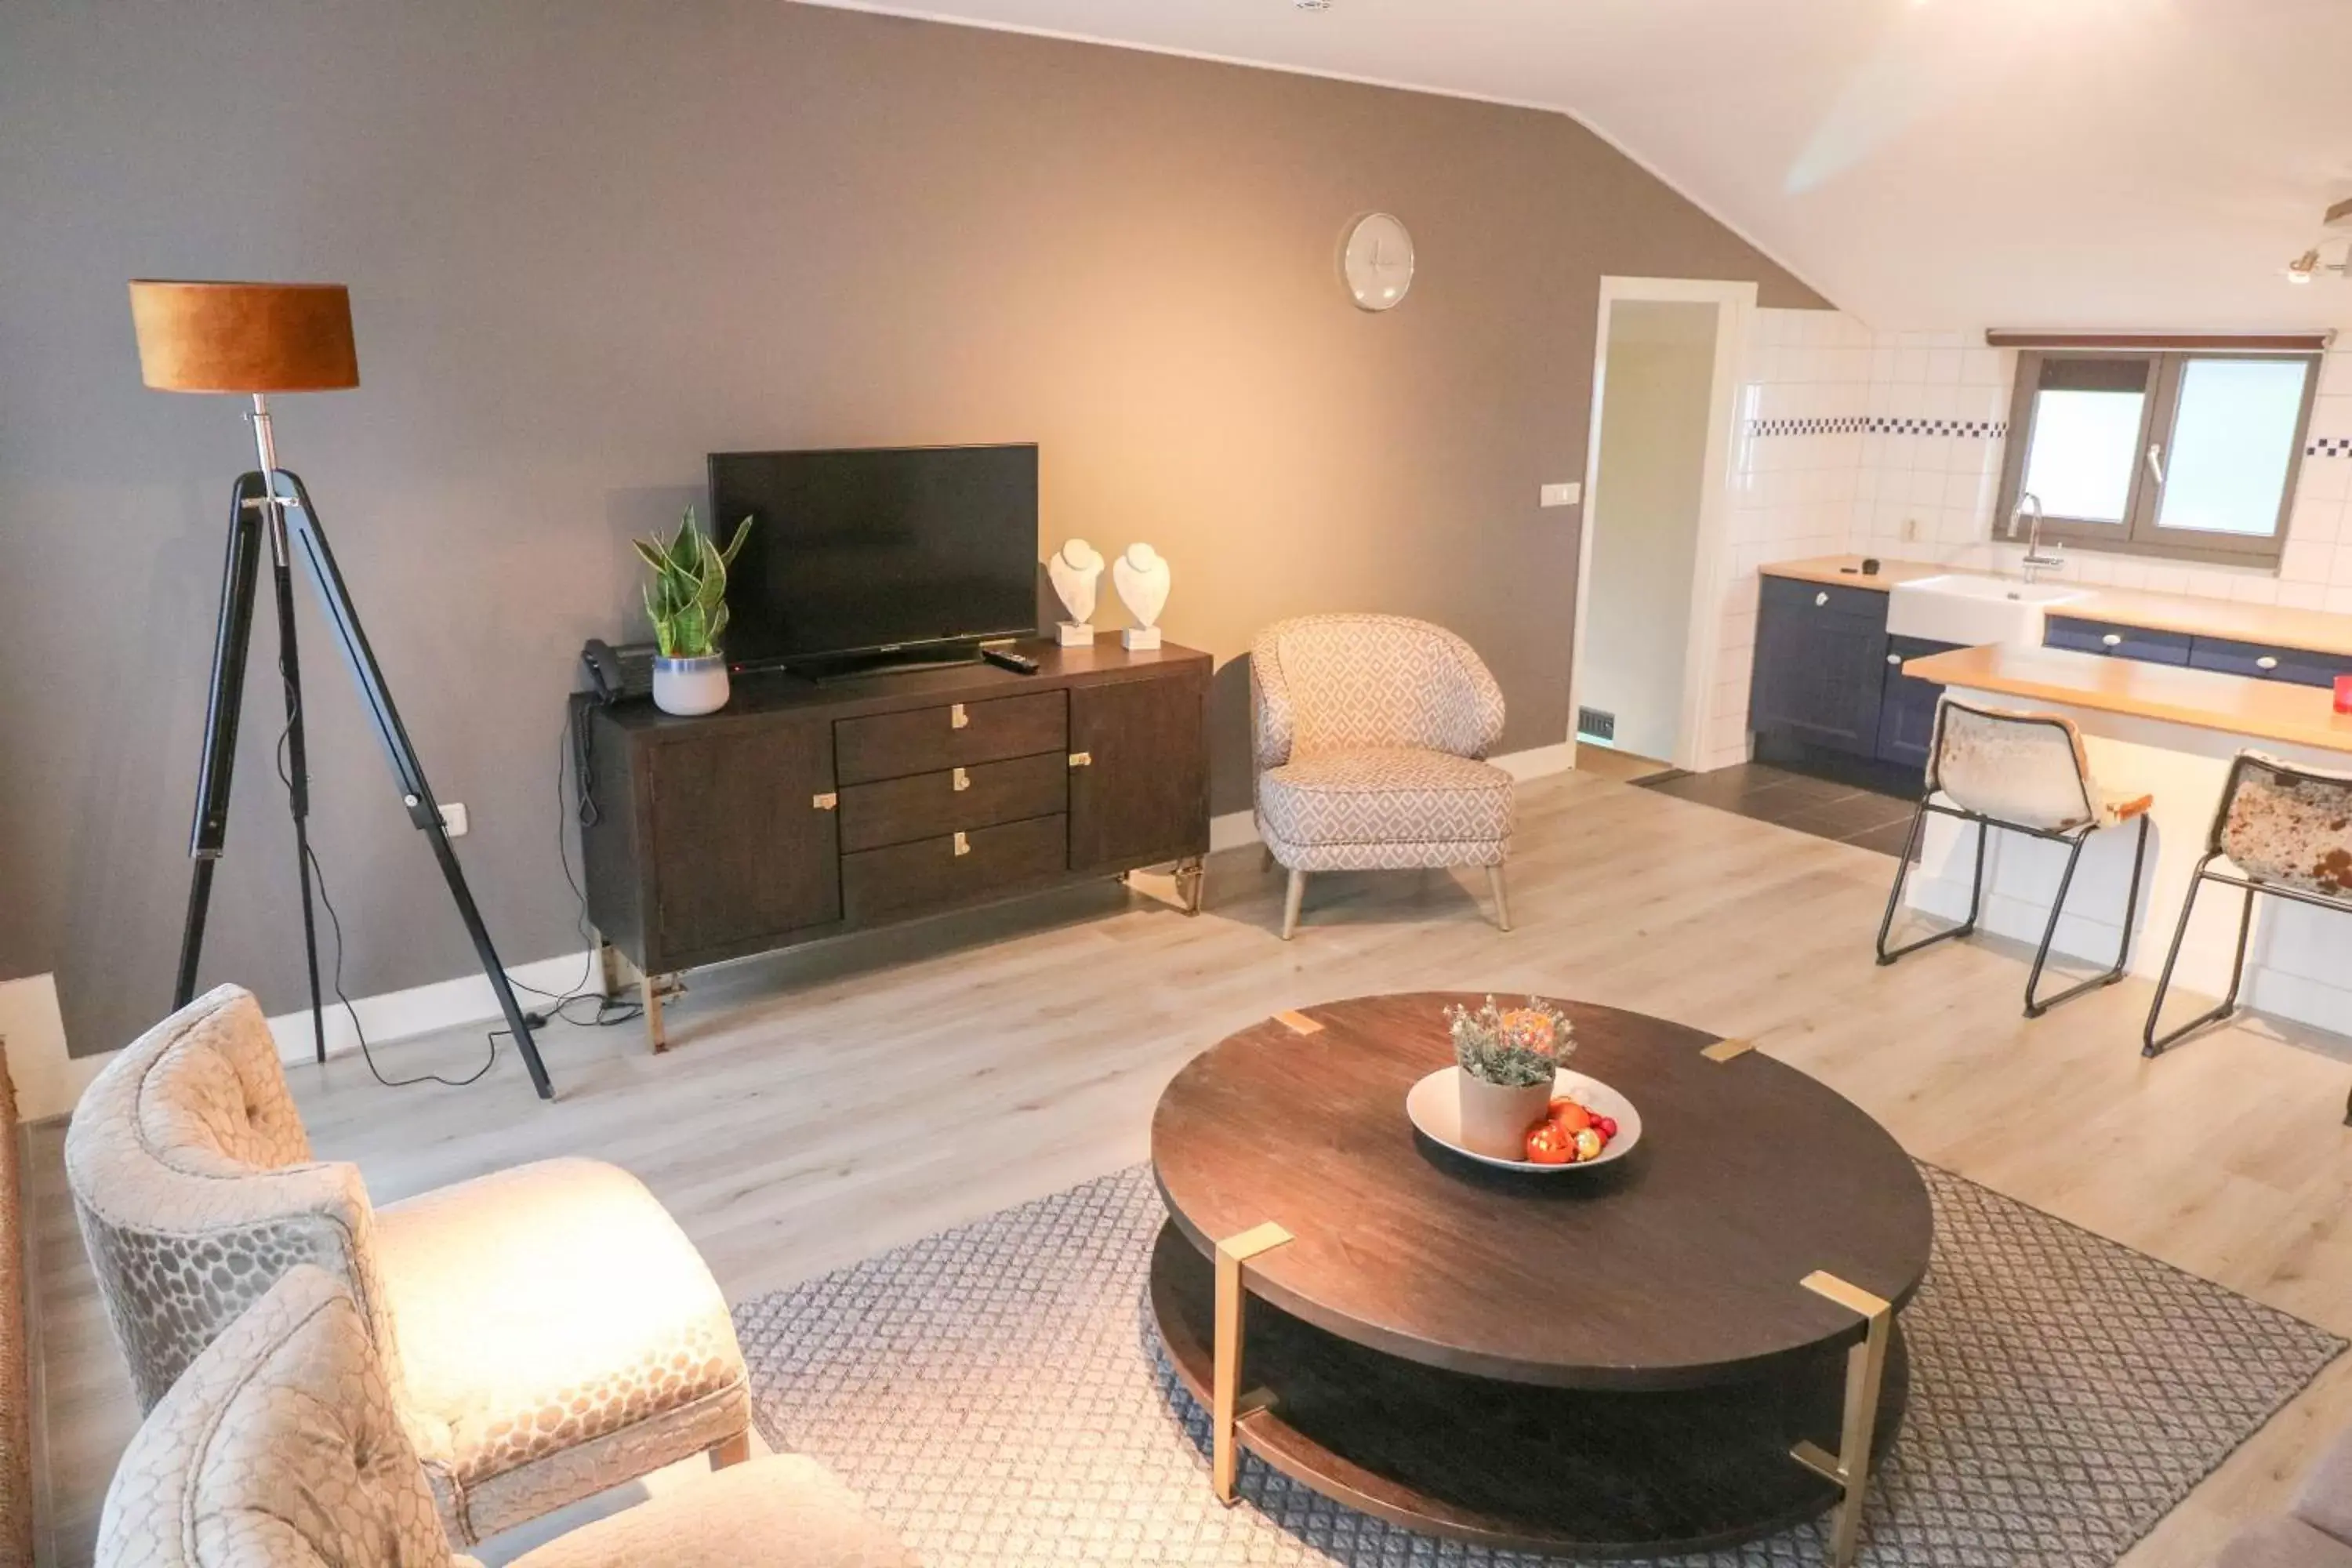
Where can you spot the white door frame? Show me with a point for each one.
(1733, 304)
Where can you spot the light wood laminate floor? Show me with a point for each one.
(821, 1107)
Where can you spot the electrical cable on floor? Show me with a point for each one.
(608, 1012)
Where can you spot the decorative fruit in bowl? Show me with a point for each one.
(1569, 1134)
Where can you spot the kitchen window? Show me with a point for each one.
(2189, 455)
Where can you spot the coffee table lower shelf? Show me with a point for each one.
(1513, 1465)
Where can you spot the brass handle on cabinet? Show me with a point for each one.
(824, 802)
(963, 843)
(963, 780)
(2113, 640)
(957, 716)
(1082, 758)
(2267, 661)
(1895, 658)
(1820, 598)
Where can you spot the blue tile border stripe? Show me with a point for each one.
(1887, 425)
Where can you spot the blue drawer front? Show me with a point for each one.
(2117, 642)
(1825, 598)
(2296, 665)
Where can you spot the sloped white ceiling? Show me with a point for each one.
(1923, 163)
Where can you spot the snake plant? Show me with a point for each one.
(687, 597)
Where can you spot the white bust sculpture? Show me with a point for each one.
(1074, 571)
(1141, 577)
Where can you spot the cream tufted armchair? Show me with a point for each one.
(1371, 733)
(546, 1332)
(282, 1446)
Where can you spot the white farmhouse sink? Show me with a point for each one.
(1969, 610)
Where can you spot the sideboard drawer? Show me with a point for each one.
(932, 740)
(929, 874)
(925, 805)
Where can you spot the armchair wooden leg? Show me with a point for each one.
(1291, 899)
(735, 1450)
(1502, 900)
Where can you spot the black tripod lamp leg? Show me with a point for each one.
(310, 547)
(232, 635)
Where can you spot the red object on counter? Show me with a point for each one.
(2343, 694)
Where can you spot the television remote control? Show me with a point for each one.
(1018, 663)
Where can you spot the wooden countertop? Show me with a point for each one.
(2317, 631)
(2271, 710)
(1845, 571)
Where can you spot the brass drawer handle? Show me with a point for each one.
(957, 716)
(963, 780)
(2113, 640)
(824, 802)
(1082, 758)
(963, 843)
(2268, 661)
(1820, 598)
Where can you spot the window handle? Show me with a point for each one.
(2156, 460)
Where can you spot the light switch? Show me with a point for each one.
(1562, 495)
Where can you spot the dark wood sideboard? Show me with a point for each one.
(807, 810)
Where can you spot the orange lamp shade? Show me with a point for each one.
(244, 337)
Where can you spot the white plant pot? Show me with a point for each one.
(1495, 1119)
(690, 686)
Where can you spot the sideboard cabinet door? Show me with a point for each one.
(742, 846)
(1140, 782)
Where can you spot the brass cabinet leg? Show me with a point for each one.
(732, 1451)
(608, 964)
(1225, 1377)
(1502, 900)
(1291, 899)
(1192, 882)
(650, 990)
(1865, 1369)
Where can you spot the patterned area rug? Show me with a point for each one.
(999, 1395)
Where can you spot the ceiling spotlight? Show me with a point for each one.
(1312, 5)
(2303, 268)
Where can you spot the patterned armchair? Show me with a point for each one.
(546, 1332)
(1370, 734)
(282, 1446)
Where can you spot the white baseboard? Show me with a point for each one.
(422, 1009)
(49, 1081)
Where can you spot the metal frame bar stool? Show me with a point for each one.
(2288, 830)
(2025, 772)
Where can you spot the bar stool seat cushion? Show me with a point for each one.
(2027, 769)
(2291, 828)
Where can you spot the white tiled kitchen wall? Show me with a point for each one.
(1890, 444)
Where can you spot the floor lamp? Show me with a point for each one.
(254, 339)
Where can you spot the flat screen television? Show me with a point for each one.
(867, 552)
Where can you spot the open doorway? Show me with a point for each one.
(1665, 376)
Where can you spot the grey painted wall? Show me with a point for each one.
(586, 245)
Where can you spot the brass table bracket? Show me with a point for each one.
(1865, 1369)
(1724, 1050)
(1227, 1405)
(1298, 1023)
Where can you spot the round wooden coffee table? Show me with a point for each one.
(1650, 1357)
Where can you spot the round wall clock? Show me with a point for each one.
(1378, 261)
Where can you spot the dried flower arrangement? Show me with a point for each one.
(1514, 1047)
